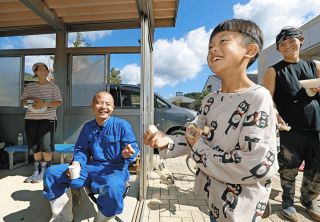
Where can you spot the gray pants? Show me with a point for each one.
(297, 146)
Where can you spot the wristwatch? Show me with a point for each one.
(170, 144)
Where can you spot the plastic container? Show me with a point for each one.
(20, 139)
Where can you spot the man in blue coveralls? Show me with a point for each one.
(104, 149)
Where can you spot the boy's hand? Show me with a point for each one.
(156, 139)
(192, 134)
(128, 151)
(282, 124)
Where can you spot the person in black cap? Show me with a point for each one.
(42, 98)
(301, 141)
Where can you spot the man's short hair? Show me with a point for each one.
(94, 98)
(249, 30)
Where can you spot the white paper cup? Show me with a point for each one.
(310, 83)
(152, 129)
(74, 171)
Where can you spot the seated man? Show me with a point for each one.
(104, 149)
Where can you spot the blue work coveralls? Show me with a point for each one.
(103, 169)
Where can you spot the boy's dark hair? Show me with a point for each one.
(248, 29)
(288, 32)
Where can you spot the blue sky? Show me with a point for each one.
(180, 51)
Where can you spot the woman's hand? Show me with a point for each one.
(39, 103)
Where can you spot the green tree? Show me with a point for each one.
(80, 41)
(193, 95)
(177, 102)
(198, 97)
(115, 77)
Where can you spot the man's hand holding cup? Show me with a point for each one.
(73, 171)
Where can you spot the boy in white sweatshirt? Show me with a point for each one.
(238, 157)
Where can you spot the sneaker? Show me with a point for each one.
(61, 208)
(289, 213)
(32, 177)
(267, 211)
(35, 173)
(312, 208)
(37, 179)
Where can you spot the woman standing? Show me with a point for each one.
(42, 99)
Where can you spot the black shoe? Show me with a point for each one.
(312, 208)
(289, 213)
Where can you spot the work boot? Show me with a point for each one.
(38, 178)
(289, 213)
(311, 207)
(61, 208)
(102, 218)
(35, 173)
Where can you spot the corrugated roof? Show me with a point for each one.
(23, 16)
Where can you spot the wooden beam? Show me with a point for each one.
(24, 22)
(102, 9)
(105, 25)
(164, 22)
(42, 10)
(164, 4)
(164, 14)
(12, 7)
(104, 50)
(15, 16)
(102, 17)
(54, 4)
(20, 31)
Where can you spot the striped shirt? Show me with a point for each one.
(48, 93)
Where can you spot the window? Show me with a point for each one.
(10, 81)
(130, 98)
(88, 77)
(160, 103)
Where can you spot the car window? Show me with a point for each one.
(113, 92)
(160, 103)
(130, 98)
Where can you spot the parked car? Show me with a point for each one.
(168, 117)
